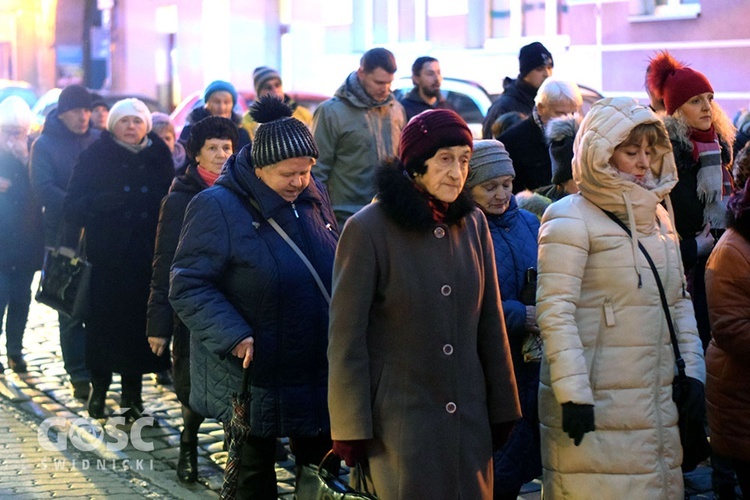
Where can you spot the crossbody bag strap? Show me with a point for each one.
(662, 295)
(275, 225)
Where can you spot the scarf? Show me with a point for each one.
(134, 148)
(710, 178)
(355, 88)
(438, 207)
(207, 176)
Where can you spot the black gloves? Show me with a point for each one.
(577, 420)
(691, 396)
(501, 433)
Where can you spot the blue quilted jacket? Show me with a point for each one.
(514, 236)
(233, 276)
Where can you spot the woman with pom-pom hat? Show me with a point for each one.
(701, 136)
(249, 300)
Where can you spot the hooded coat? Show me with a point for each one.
(354, 134)
(517, 96)
(606, 341)
(233, 277)
(419, 359)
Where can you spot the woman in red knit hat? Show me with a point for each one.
(701, 134)
(420, 381)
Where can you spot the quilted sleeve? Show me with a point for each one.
(563, 253)
(201, 259)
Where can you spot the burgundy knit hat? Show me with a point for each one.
(431, 130)
(674, 82)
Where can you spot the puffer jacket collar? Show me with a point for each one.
(54, 127)
(507, 218)
(407, 207)
(352, 92)
(239, 176)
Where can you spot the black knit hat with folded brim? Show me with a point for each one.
(279, 136)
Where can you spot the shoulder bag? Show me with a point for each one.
(695, 446)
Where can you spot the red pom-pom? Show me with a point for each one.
(659, 69)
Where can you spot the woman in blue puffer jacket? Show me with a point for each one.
(247, 296)
(514, 236)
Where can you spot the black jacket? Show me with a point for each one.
(517, 96)
(413, 103)
(233, 277)
(53, 155)
(21, 237)
(115, 195)
(527, 146)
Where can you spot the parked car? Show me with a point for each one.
(48, 101)
(472, 101)
(469, 99)
(195, 99)
(22, 89)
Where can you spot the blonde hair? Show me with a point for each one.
(721, 122)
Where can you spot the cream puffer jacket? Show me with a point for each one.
(606, 339)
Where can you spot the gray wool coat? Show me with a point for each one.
(418, 354)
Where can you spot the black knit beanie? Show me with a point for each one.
(532, 56)
(73, 97)
(279, 136)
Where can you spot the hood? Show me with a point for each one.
(606, 125)
(352, 92)
(238, 176)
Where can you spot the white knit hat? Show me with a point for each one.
(14, 112)
(129, 107)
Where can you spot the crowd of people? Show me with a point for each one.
(457, 316)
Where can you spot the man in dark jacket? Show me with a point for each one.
(535, 65)
(526, 142)
(425, 74)
(66, 133)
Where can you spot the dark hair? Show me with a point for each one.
(211, 127)
(416, 68)
(378, 58)
(506, 121)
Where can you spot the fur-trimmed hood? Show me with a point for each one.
(407, 207)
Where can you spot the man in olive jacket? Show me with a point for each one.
(357, 130)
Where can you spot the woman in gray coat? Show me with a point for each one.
(421, 382)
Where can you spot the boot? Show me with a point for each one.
(17, 363)
(98, 398)
(131, 396)
(187, 464)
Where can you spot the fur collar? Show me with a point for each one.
(407, 207)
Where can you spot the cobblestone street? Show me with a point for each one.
(29, 471)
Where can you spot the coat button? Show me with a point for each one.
(439, 232)
(144, 189)
(446, 290)
(451, 407)
(447, 349)
(126, 189)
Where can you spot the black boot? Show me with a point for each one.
(131, 396)
(187, 464)
(98, 400)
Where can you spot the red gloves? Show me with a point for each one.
(351, 451)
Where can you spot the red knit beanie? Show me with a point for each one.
(674, 82)
(431, 130)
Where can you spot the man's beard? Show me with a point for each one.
(431, 91)
(18, 148)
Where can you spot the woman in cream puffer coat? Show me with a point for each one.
(606, 341)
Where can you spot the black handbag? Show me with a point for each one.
(66, 281)
(695, 445)
(317, 483)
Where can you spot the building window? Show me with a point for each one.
(658, 10)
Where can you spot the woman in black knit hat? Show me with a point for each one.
(212, 141)
(249, 300)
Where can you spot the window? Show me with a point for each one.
(658, 10)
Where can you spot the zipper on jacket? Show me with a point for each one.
(294, 207)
